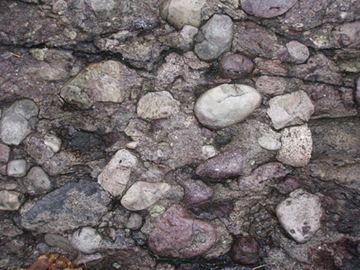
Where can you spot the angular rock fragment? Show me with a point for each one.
(15, 124)
(224, 165)
(176, 234)
(272, 86)
(226, 104)
(300, 215)
(9, 200)
(116, 173)
(157, 105)
(296, 146)
(290, 109)
(215, 37)
(262, 176)
(67, 208)
(142, 195)
(37, 181)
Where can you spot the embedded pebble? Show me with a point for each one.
(290, 109)
(300, 215)
(116, 173)
(267, 8)
(142, 195)
(86, 240)
(298, 52)
(17, 168)
(226, 105)
(37, 181)
(53, 142)
(157, 105)
(272, 86)
(296, 146)
(215, 37)
(134, 222)
(181, 13)
(224, 165)
(270, 141)
(15, 123)
(9, 200)
(235, 66)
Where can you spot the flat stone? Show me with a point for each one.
(108, 81)
(181, 13)
(290, 109)
(9, 200)
(296, 146)
(235, 66)
(266, 8)
(37, 181)
(300, 215)
(224, 165)
(142, 195)
(116, 173)
(66, 208)
(176, 234)
(4, 153)
(157, 105)
(298, 52)
(16, 168)
(226, 105)
(263, 176)
(86, 240)
(14, 124)
(215, 37)
(272, 86)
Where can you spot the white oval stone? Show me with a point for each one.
(142, 195)
(226, 104)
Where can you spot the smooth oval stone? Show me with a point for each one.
(226, 104)
(266, 8)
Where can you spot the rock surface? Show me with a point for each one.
(215, 37)
(290, 109)
(15, 123)
(296, 146)
(245, 250)
(157, 105)
(117, 172)
(226, 104)
(4, 153)
(67, 208)
(298, 52)
(142, 195)
(178, 235)
(300, 215)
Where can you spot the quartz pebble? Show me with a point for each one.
(17, 168)
(9, 200)
(300, 215)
